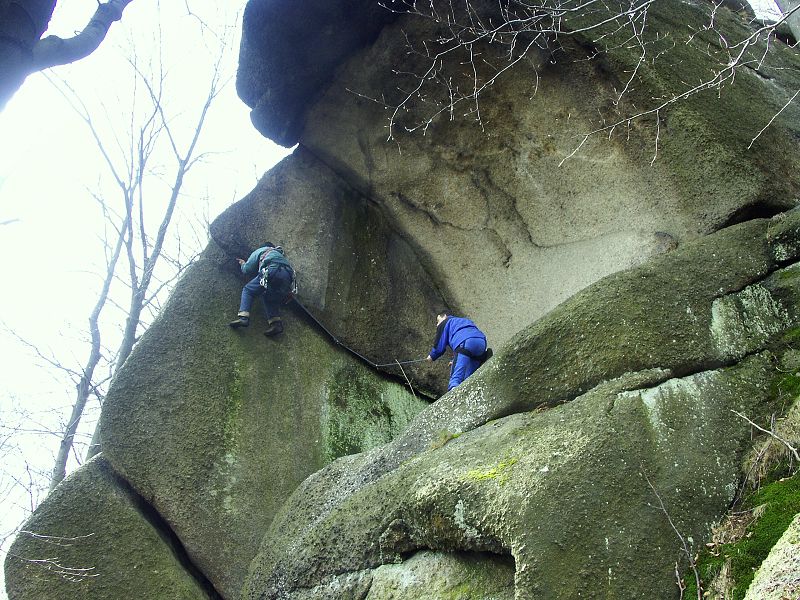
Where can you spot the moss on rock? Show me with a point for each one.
(567, 503)
(90, 540)
(777, 577)
(777, 505)
(362, 412)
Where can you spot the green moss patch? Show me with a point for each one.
(777, 503)
(362, 411)
(443, 437)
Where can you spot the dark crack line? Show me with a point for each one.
(758, 72)
(167, 534)
(422, 256)
(706, 366)
(484, 182)
(374, 366)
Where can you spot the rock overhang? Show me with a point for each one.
(289, 51)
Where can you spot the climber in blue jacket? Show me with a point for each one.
(273, 281)
(467, 342)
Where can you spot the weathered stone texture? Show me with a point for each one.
(93, 539)
(779, 575)
(572, 494)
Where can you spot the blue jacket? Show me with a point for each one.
(453, 332)
(253, 264)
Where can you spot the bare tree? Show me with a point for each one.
(22, 483)
(23, 53)
(133, 238)
(452, 69)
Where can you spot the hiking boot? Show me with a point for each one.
(275, 327)
(241, 321)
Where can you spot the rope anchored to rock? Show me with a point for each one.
(338, 342)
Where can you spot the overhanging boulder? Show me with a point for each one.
(289, 51)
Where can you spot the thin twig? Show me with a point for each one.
(791, 448)
(684, 545)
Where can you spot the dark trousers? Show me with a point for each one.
(272, 296)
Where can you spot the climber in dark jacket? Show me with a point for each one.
(273, 282)
(467, 342)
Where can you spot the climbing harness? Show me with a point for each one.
(267, 266)
(350, 350)
(264, 270)
(486, 355)
(272, 269)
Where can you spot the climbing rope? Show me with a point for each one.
(402, 362)
(350, 350)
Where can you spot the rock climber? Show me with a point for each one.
(467, 342)
(273, 281)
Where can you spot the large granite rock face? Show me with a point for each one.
(580, 498)
(94, 538)
(629, 312)
(497, 204)
(216, 427)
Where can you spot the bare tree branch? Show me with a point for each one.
(791, 448)
(684, 545)
(53, 50)
(449, 72)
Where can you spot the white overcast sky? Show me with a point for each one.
(50, 252)
(49, 164)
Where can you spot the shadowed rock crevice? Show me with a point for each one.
(167, 534)
(382, 371)
(95, 537)
(758, 210)
(424, 573)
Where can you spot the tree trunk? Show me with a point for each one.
(22, 23)
(22, 52)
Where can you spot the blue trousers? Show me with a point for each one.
(463, 365)
(272, 296)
